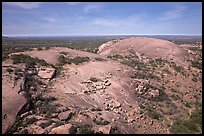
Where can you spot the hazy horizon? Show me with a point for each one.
(102, 35)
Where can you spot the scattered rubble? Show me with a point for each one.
(46, 72)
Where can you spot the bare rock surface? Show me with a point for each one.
(12, 103)
(105, 129)
(150, 47)
(63, 129)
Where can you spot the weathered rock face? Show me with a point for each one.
(12, 103)
(105, 129)
(63, 129)
(25, 94)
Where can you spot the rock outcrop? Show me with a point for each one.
(63, 129)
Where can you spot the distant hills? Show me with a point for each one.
(4, 37)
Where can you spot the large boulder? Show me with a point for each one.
(66, 115)
(64, 129)
(105, 129)
(12, 103)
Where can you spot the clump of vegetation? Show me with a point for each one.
(29, 121)
(31, 81)
(96, 109)
(18, 72)
(9, 70)
(30, 62)
(100, 59)
(134, 64)
(46, 124)
(86, 129)
(196, 64)
(157, 62)
(6, 50)
(115, 130)
(62, 60)
(40, 97)
(76, 60)
(149, 86)
(21, 58)
(92, 50)
(178, 68)
(162, 95)
(39, 48)
(187, 104)
(154, 115)
(48, 109)
(191, 126)
(101, 122)
(115, 57)
(167, 71)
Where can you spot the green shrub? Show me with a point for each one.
(9, 70)
(115, 130)
(167, 71)
(47, 108)
(62, 60)
(96, 109)
(149, 86)
(30, 62)
(178, 68)
(40, 48)
(86, 129)
(191, 126)
(46, 124)
(77, 60)
(115, 57)
(134, 63)
(154, 115)
(196, 64)
(100, 59)
(29, 121)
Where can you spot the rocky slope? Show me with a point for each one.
(125, 93)
(142, 46)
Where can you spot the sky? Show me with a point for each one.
(101, 18)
